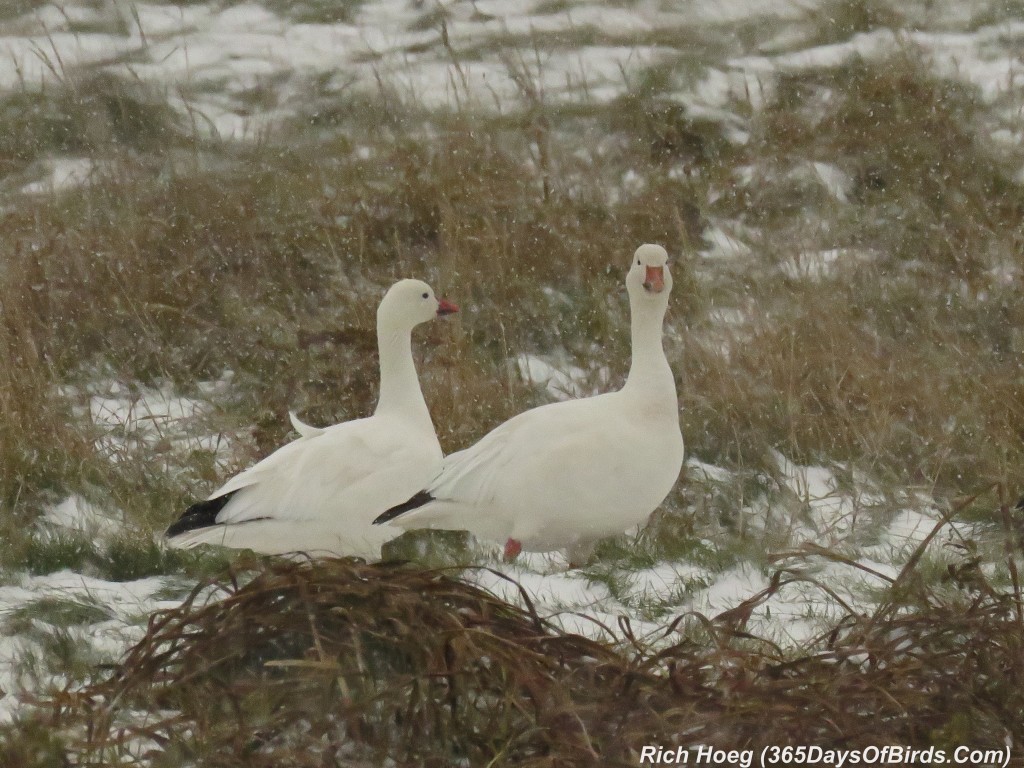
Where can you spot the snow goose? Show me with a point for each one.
(567, 474)
(320, 493)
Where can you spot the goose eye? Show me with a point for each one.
(638, 262)
(426, 295)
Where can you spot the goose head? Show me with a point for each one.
(648, 274)
(409, 303)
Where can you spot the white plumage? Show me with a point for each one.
(567, 474)
(320, 493)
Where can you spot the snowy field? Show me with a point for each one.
(211, 57)
(503, 57)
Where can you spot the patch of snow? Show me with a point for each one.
(156, 22)
(728, 316)
(549, 593)
(722, 245)
(664, 583)
(811, 265)
(245, 45)
(836, 181)
(562, 381)
(721, 89)
(126, 604)
(729, 589)
(79, 516)
(146, 419)
(696, 467)
(979, 58)
(568, 600)
(865, 45)
(819, 265)
(127, 600)
(62, 173)
(909, 528)
(825, 514)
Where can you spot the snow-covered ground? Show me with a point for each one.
(808, 511)
(498, 55)
(113, 614)
(101, 618)
(486, 54)
(809, 507)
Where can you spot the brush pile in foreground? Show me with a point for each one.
(339, 663)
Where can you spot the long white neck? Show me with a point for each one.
(400, 391)
(650, 376)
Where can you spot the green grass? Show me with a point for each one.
(55, 612)
(121, 558)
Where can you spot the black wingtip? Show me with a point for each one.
(421, 498)
(202, 514)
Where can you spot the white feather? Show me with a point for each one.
(304, 429)
(566, 474)
(320, 493)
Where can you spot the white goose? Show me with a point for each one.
(567, 474)
(320, 493)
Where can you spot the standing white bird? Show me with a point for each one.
(567, 474)
(320, 493)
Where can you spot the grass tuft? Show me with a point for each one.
(91, 115)
(315, 660)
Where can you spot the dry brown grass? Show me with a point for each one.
(267, 260)
(85, 113)
(929, 409)
(260, 266)
(339, 663)
(929, 186)
(41, 446)
(904, 359)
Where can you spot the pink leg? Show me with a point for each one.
(512, 550)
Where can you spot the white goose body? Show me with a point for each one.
(566, 474)
(320, 493)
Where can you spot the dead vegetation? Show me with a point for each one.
(86, 114)
(183, 259)
(339, 663)
(916, 310)
(266, 259)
